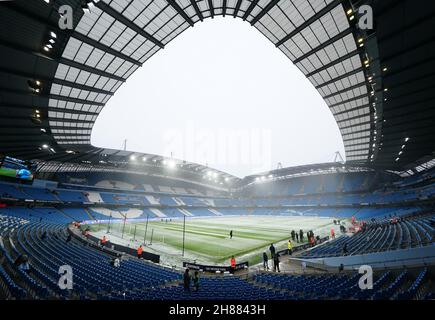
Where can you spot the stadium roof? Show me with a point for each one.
(378, 83)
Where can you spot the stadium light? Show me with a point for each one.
(132, 157)
(144, 159)
(406, 139)
(53, 35)
(34, 85)
(171, 164)
(227, 179)
(44, 146)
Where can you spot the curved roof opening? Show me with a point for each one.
(207, 99)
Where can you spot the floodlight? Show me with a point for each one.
(171, 164)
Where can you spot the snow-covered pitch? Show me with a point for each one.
(207, 239)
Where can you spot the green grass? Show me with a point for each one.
(209, 238)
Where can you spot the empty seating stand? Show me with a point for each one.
(95, 278)
(408, 232)
(386, 285)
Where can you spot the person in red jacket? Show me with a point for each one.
(332, 233)
(233, 264)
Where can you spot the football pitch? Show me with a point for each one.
(207, 240)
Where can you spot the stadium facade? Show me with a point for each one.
(378, 83)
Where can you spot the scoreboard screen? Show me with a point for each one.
(16, 168)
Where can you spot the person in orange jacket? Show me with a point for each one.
(139, 252)
(233, 264)
(103, 241)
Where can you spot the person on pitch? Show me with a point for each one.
(196, 281)
(265, 261)
(139, 252)
(186, 280)
(272, 250)
(290, 247)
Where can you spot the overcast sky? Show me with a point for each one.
(221, 94)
